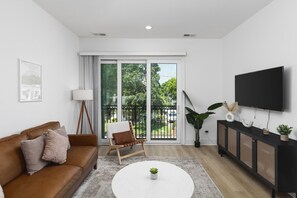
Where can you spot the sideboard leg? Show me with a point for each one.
(272, 193)
(221, 152)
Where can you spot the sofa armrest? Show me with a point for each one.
(83, 140)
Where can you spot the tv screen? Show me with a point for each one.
(261, 89)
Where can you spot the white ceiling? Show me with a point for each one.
(169, 18)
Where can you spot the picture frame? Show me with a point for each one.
(30, 81)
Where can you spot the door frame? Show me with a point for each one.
(180, 75)
(179, 99)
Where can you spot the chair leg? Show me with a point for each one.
(143, 149)
(119, 156)
(108, 152)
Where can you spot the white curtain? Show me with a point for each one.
(88, 79)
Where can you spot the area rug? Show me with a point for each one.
(98, 183)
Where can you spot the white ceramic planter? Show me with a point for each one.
(229, 117)
(154, 176)
(284, 138)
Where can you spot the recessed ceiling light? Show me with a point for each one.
(148, 27)
(189, 35)
(98, 34)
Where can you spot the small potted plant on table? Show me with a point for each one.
(154, 173)
(284, 131)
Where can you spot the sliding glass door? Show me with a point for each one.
(144, 92)
(109, 99)
(163, 101)
(133, 94)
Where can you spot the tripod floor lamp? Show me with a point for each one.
(83, 95)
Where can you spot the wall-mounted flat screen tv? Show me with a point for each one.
(261, 89)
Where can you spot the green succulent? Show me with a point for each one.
(154, 170)
(284, 129)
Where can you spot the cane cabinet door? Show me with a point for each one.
(232, 141)
(266, 161)
(246, 149)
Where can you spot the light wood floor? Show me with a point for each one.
(230, 178)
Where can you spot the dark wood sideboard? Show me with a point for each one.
(272, 161)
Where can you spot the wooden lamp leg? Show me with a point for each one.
(88, 118)
(79, 119)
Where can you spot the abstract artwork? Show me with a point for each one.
(30, 81)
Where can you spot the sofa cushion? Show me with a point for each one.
(55, 148)
(52, 181)
(81, 156)
(62, 131)
(12, 162)
(33, 151)
(83, 140)
(39, 130)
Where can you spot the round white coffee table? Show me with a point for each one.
(134, 181)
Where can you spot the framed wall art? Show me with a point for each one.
(30, 77)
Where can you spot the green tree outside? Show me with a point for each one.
(134, 91)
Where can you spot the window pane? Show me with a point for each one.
(163, 109)
(108, 95)
(134, 96)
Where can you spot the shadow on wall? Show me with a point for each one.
(287, 88)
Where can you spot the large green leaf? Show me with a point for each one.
(191, 118)
(215, 106)
(197, 119)
(188, 98)
(192, 111)
(203, 116)
(198, 124)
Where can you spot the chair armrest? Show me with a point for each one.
(83, 140)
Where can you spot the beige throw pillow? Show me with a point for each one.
(1, 192)
(55, 148)
(33, 151)
(62, 131)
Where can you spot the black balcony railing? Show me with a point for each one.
(163, 120)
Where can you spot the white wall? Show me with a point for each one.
(268, 39)
(28, 32)
(203, 70)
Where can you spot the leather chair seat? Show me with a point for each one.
(81, 156)
(49, 185)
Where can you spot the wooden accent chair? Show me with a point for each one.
(120, 135)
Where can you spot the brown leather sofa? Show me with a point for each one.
(53, 180)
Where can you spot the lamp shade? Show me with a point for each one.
(82, 94)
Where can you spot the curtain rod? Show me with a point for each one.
(132, 53)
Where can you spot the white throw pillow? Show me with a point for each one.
(1, 192)
(55, 149)
(33, 151)
(62, 131)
